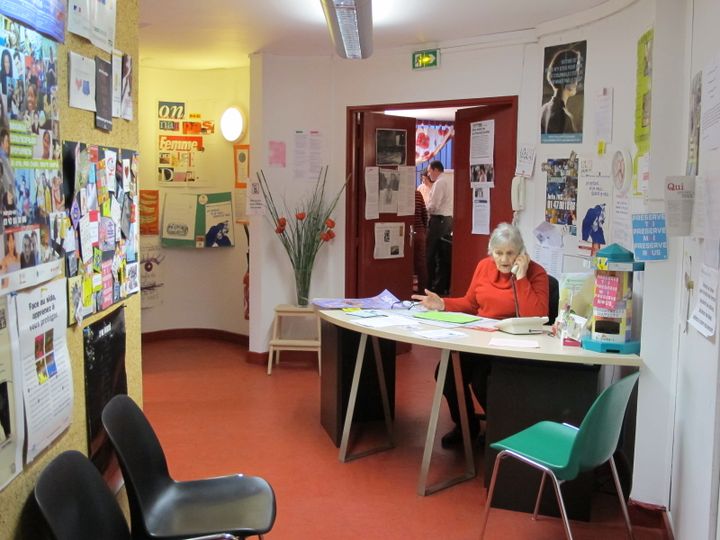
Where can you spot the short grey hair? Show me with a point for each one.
(504, 234)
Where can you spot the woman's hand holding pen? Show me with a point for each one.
(430, 300)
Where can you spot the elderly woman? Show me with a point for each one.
(490, 294)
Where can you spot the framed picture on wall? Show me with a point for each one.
(241, 155)
(390, 146)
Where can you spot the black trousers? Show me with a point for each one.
(474, 370)
(439, 254)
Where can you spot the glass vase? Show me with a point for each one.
(302, 285)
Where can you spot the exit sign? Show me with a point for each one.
(426, 59)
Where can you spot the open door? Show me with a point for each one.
(469, 248)
(365, 275)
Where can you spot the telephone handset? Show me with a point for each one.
(516, 267)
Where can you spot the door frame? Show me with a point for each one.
(353, 186)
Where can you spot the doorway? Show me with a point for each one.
(361, 271)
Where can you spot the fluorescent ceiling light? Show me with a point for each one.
(350, 25)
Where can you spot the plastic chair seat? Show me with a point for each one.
(212, 504)
(546, 443)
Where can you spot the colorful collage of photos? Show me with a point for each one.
(32, 197)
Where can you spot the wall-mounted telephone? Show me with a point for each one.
(517, 193)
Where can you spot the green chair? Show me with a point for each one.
(562, 451)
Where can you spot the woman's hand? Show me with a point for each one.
(522, 261)
(431, 301)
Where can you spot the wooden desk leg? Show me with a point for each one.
(343, 456)
(469, 473)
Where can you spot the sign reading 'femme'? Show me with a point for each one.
(178, 143)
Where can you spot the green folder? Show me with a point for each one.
(447, 316)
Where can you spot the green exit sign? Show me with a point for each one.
(426, 59)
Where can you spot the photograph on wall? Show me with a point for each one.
(30, 176)
(126, 93)
(38, 326)
(241, 155)
(105, 377)
(561, 115)
(561, 193)
(390, 146)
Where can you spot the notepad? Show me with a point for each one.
(447, 316)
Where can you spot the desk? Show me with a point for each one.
(550, 350)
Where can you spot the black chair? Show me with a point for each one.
(77, 504)
(162, 508)
(554, 300)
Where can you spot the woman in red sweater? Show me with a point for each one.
(490, 294)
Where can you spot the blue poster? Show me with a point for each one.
(650, 237)
(45, 16)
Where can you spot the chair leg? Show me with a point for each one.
(618, 487)
(561, 504)
(491, 489)
(539, 496)
(271, 353)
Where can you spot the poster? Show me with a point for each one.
(103, 94)
(643, 93)
(241, 155)
(594, 201)
(308, 155)
(389, 241)
(197, 220)
(481, 210)
(151, 274)
(562, 112)
(178, 155)
(561, 192)
(31, 181)
(149, 211)
(94, 20)
(81, 81)
(38, 318)
(105, 376)
(45, 16)
(691, 168)
(126, 90)
(12, 430)
(650, 237)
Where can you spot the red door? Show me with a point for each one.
(469, 248)
(365, 275)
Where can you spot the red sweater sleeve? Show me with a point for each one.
(490, 293)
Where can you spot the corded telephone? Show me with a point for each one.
(522, 325)
(517, 193)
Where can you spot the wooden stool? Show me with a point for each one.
(279, 343)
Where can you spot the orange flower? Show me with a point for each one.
(279, 229)
(282, 222)
(331, 234)
(324, 237)
(300, 215)
(330, 222)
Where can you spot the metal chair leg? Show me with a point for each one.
(561, 504)
(539, 496)
(491, 489)
(618, 487)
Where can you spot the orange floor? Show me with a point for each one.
(215, 413)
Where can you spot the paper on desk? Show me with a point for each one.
(439, 334)
(389, 320)
(518, 343)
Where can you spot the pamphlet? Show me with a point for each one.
(447, 316)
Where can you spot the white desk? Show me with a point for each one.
(474, 341)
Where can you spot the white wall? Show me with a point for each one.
(669, 423)
(202, 287)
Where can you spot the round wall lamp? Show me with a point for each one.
(232, 124)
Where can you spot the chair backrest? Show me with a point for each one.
(76, 502)
(599, 432)
(554, 299)
(142, 460)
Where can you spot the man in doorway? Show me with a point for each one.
(439, 235)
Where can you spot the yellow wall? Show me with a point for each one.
(78, 125)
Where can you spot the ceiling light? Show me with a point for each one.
(350, 25)
(232, 124)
